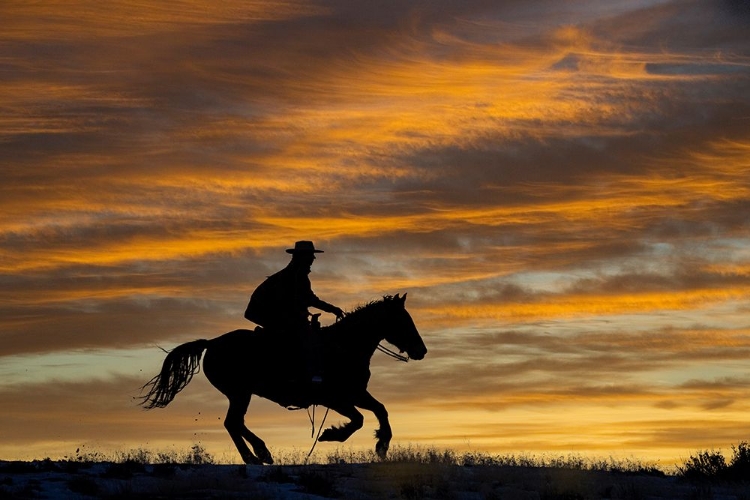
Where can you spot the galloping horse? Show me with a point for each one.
(243, 362)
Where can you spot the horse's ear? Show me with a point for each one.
(403, 298)
(396, 297)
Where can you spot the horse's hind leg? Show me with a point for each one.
(259, 447)
(238, 431)
(384, 433)
(235, 425)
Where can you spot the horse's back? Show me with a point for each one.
(240, 336)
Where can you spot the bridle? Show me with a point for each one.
(393, 354)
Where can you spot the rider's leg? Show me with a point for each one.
(316, 355)
(309, 342)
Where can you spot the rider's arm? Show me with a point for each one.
(325, 306)
(329, 308)
(314, 301)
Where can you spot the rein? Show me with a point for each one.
(393, 354)
(320, 429)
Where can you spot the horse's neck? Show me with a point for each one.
(362, 338)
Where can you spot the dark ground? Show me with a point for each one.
(389, 480)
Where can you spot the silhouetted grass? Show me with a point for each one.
(408, 454)
(196, 455)
(704, 465)
(712, 466)
(436, 456)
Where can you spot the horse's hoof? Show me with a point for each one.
(251, 459)
(265, 457)
(381, 449)
(327, 435)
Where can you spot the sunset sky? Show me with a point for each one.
(562, 188)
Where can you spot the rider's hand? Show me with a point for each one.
(338, 312)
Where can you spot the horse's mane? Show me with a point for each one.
(356, 314)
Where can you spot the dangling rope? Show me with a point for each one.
(320, 429)
(311, 419)
(393, 354)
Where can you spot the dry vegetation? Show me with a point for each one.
(410, 473)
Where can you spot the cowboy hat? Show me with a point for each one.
(303, 247)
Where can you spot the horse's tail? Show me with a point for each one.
(178, 369)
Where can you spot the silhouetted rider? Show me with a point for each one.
(280, 303)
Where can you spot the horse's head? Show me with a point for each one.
(403, 333)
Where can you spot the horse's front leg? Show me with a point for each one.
(344, 432)
(384, 433)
